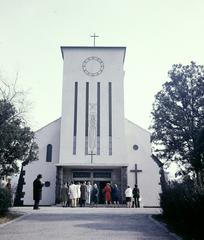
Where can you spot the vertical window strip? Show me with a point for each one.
(98, 118)
(110, 145)
(75, 117)
(49, 153)
(86, 118)
(110, 116)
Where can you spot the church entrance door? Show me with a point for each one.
(98, 176)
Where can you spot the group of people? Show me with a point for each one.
(79, 194)
(85, 194)
(82, 194)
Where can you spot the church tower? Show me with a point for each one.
(92, 123)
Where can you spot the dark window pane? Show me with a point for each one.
(81, 174)
(98, 118)
(49, 153)
(87, 110)
(102, 175)
(135, 147)
(98, 109)
(110, 117)
(75, 108)
(86, 118)
(110, 108)
(75, 117)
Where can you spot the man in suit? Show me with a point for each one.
(136, 196)
(37, 191)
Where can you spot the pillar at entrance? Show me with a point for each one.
(59, 183)
(123, 182)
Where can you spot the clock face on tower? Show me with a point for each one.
(93, 66)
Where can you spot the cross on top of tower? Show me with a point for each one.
(94, 36)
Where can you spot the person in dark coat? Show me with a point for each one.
(115, 195)
(8, 185)
(83, 194)
(37, 191)
(94, 195)
(136, 196)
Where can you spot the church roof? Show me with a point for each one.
(59, 119)
(50, 123)
(137, 126)
(93, 47)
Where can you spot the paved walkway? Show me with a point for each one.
(56, 223)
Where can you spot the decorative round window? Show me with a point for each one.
(135, 147)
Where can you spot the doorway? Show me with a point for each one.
(98, 176)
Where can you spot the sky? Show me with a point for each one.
(157, 35)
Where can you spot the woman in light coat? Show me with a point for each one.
(73, 194)
(128, 195)
(78, 190)
(89, 190)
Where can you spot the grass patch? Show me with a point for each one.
(8, 216)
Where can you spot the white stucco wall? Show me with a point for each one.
(149, 178)
(49, 134)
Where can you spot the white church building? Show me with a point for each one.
(92, 140)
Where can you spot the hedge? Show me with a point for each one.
(183, 207)
(5, 200)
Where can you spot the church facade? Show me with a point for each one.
(92, 140)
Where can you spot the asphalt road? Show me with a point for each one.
(56, 223)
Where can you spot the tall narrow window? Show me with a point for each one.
(98, 118)
(86, 118)
(49, 153)
(75, 117)
(110, 116)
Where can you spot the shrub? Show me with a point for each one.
(183, 207)
(5, 200)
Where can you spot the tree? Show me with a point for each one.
(17, 141)
(198, 157)
(177, 116)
